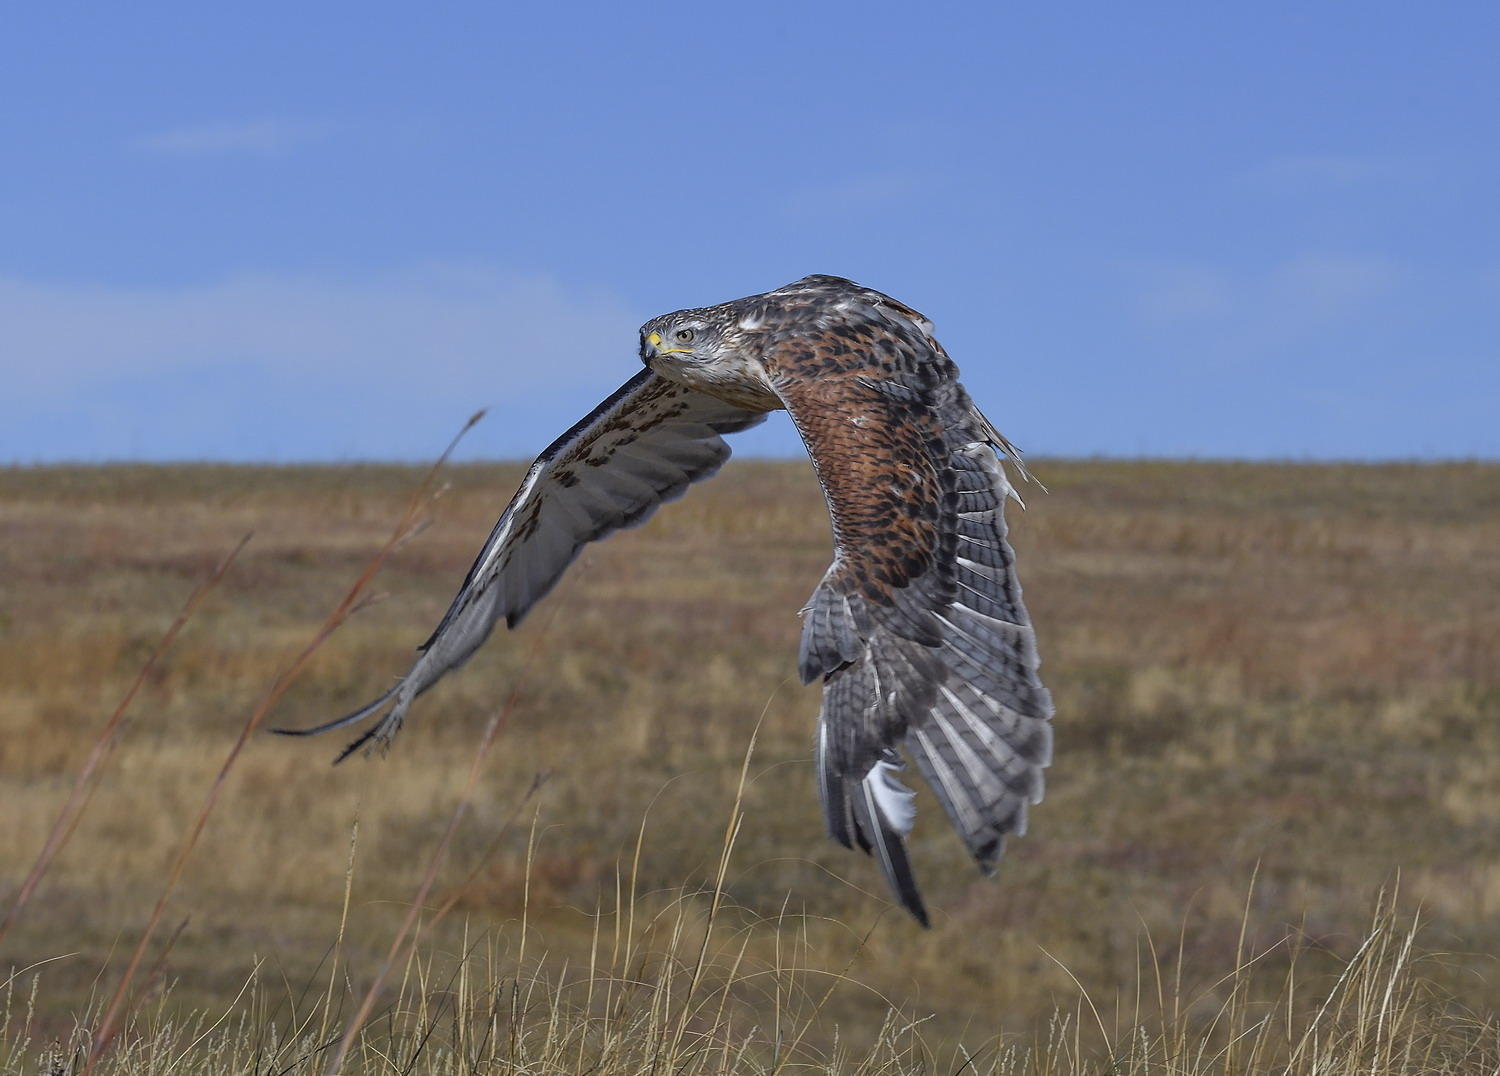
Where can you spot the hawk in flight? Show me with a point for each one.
(916, 631)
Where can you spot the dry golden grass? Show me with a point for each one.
(1280, 672)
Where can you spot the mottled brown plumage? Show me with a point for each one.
(917, 629)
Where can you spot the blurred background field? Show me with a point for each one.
(1278, 673)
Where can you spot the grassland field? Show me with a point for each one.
(1277, 689)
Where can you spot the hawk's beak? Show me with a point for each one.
(653, 343)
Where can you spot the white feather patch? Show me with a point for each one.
(896, 802)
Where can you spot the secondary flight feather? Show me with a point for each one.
(917, 630)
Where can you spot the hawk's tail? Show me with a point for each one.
(874, 814)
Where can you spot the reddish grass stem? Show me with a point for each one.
(403, 530)
(88, 775)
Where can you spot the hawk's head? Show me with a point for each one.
(713, 348)
(686, 338)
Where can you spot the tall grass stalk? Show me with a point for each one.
(406, 526)
(89, 773)
(690, 998)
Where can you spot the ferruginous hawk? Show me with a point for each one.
(917, 630)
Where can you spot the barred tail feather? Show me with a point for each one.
(881, 836)
(874, 815)
(831, 792)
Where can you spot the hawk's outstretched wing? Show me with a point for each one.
(917, 629)
(638, 449)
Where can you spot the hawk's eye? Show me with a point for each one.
(684, 335)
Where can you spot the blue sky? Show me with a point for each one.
(327, 231)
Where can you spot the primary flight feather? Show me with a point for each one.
(917, 629)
